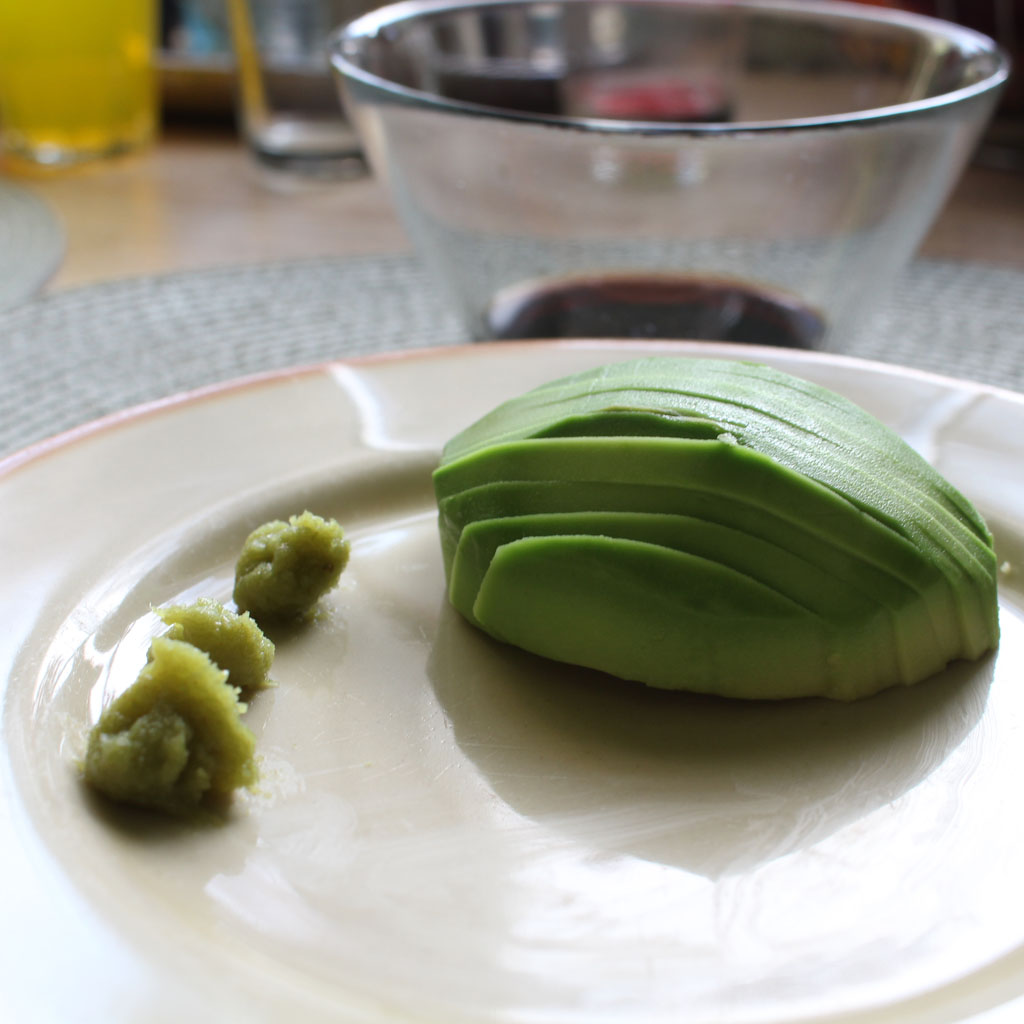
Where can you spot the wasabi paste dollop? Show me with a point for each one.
(173, 741)
(234, 642)
(286, 567)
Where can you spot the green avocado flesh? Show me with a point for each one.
(713, 526)
(174, 739)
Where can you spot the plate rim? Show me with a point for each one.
(682, 346)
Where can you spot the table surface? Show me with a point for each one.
(195, 201)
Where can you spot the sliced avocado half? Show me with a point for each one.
(797, 470)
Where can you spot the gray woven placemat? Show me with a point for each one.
(70, 356)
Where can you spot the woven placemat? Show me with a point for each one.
(70, 356)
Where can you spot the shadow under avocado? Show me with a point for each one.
(710, 785)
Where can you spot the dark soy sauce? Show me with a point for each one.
(654, 306)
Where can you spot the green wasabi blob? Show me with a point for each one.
(173, 741)
(234, 642)
(286, 567)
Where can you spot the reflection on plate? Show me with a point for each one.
(450, 830)
(31, 244)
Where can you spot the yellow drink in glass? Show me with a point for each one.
(77, 79)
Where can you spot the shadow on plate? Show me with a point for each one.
(154, 827)
(706, 784)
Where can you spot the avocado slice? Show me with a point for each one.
(616, 422)
(730, 469)
(782, 570)
(715, 468)
(800, 425)
(870, 630)
(617, 605)
(836, 558)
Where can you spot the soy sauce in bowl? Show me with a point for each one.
(640, 305)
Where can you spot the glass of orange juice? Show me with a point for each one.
(77, 79)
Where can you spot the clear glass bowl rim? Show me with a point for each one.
(344, 39)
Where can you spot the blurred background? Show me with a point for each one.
(197, 64)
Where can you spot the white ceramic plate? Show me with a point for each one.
(452, 831)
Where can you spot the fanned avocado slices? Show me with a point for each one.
(671, 628)
(809, 594)
(751, 502)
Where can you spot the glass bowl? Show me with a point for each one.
(745, 171)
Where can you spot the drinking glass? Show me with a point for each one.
(77, 80)
(290, 113)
